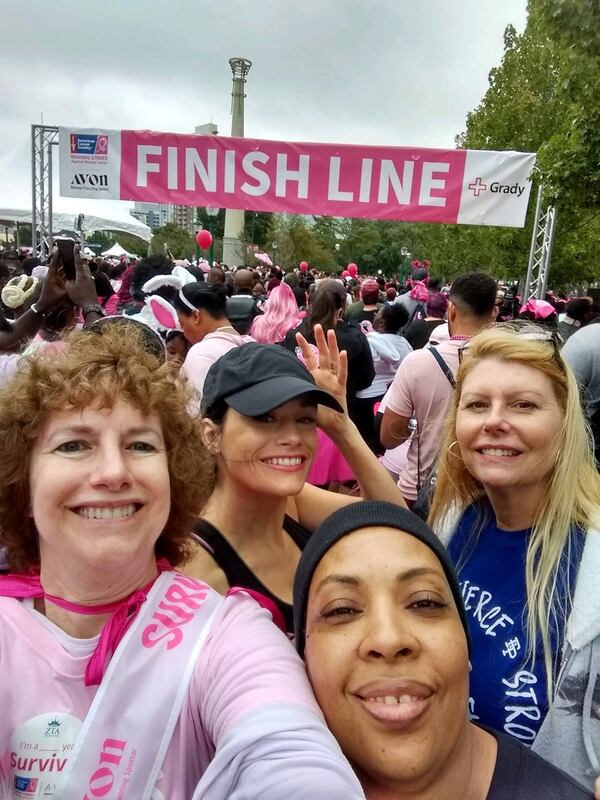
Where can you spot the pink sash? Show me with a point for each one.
(116, 755)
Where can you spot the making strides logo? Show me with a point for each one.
(53, 728)
(495, 187)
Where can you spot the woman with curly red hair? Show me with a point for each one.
(102, 474)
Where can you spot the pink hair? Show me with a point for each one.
(280, 316)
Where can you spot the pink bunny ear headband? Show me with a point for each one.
(157, 311)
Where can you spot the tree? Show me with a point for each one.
(544, 97)
(295, 241)
(176, 240)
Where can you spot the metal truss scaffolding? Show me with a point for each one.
(43, 138)
(540, 253)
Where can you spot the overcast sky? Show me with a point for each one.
(395, 72)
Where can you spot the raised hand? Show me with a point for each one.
(330, 370)
(53, 291)
(81, 291)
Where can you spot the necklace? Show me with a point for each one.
(459, 338)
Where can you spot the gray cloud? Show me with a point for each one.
(394, 72)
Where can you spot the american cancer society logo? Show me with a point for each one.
(89, 144)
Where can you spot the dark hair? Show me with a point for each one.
(149, 267)
(29, 263)
(196, 272)
(216, 276)
(475, 293)
(420, 274)
(291, 279)
(329, 297)
(579, 308)
(394, 317)
(117, 270)
(435, 284)
(204, 297)
(4, 270)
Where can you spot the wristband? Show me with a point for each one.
(96, 308)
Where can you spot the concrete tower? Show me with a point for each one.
(234, 220)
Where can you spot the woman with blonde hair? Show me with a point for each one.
(517, 502)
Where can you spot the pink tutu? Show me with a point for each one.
(328, 464)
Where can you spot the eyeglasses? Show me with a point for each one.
(532, 333)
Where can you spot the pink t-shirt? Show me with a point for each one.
(420, 387)
(202, 355)
(247, 670)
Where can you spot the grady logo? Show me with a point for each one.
(496, 187)
(89, 179)
(505, 188)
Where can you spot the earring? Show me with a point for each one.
(451, 452)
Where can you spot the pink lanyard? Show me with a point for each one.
(122, 612)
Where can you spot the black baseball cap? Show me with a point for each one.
(256, 378)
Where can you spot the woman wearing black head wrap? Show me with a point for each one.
(381, 624)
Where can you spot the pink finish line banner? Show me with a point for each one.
(412, 184)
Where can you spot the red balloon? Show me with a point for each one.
(204, 239)
(303, 266)
(345, 274)
(353, 269)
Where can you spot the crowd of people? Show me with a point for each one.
(274, 534)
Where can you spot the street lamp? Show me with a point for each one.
(337, 253)
(274, 248)
(212, 213)
(405, 253)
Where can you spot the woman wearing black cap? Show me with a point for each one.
(260, 411)
(381, 624)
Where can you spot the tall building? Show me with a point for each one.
(155, 215)
(185, 217)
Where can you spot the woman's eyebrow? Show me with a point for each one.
(401, 577)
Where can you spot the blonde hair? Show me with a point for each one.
(573, 490)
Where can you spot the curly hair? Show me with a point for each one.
(98, 368)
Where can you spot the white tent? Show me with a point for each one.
(9, 216)
(116, 251)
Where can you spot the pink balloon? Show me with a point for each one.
(352, 269)
(303, 266)
(345, 274)
(204, 239)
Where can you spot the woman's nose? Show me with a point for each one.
(110, 468)
(289, 433)
(495, 418)
(389, 635)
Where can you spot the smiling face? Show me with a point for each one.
(270, 454)
(507, 426)
(100, 489)
(387, 657)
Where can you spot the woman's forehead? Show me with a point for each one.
(373, 551)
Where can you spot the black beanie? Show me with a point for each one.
(368, 514)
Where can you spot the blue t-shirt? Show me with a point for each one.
(507, 692)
